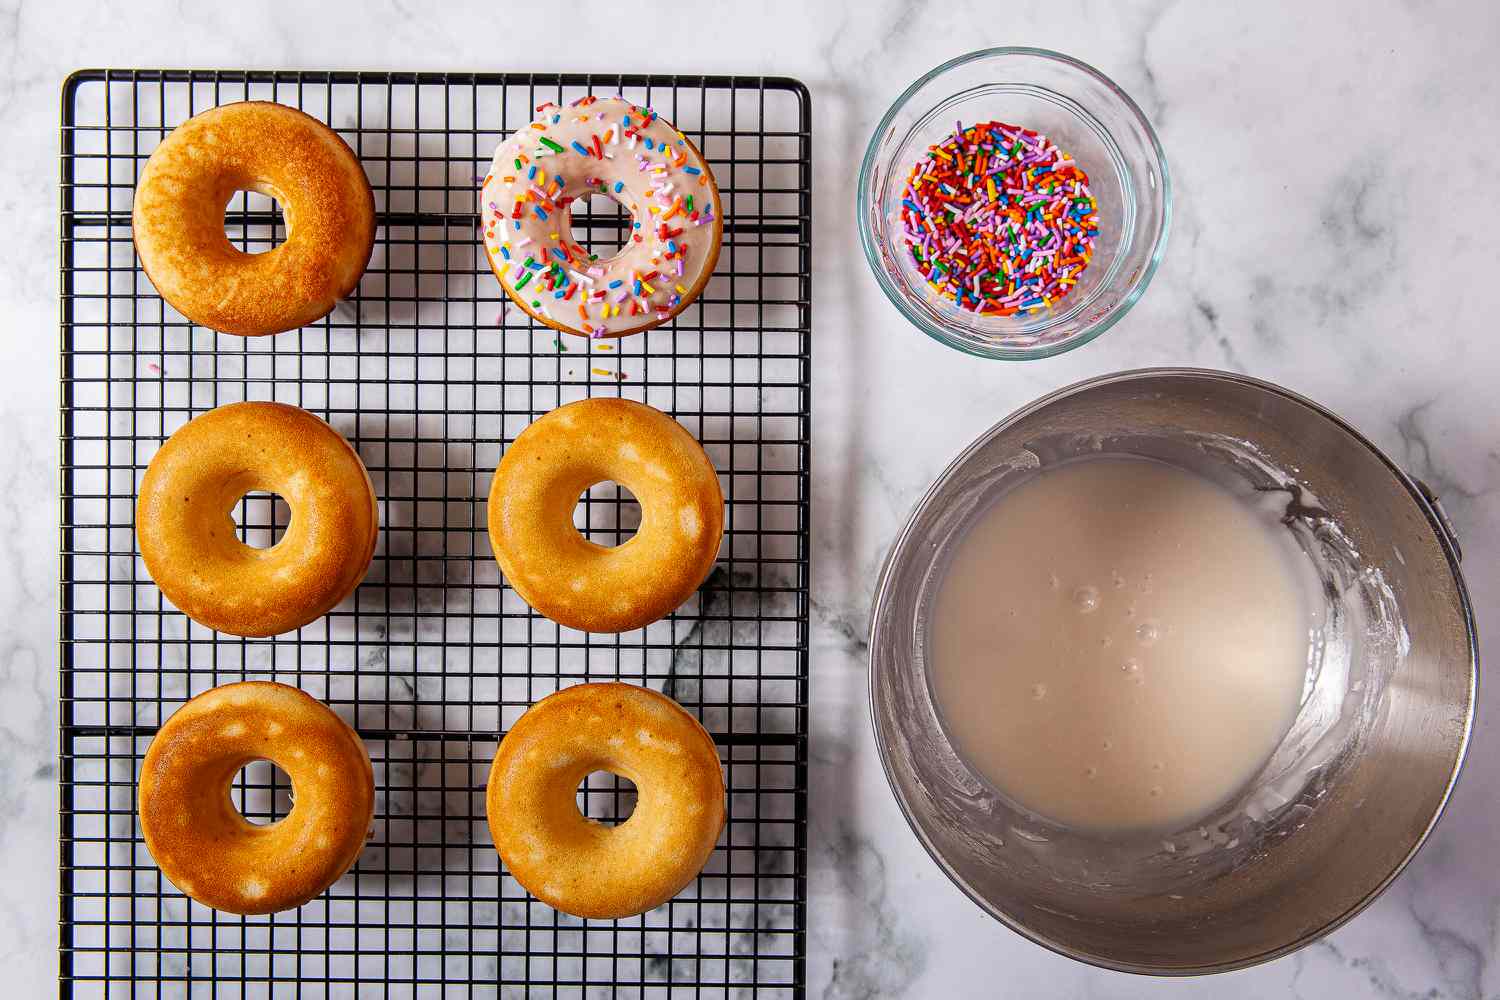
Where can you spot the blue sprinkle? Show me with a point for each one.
(616, 283)
(672, 245)
(559, 255)
(627, 121)
(559, 294)
(691, 170)
(531, 174)
(649, 143)
(538, 210)
(580, 147)
(636, 288)
(556, 118)
(505, 252)
(619, 186)
(635, 225)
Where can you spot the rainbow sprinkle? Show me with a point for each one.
(999, 220)
(566, 272)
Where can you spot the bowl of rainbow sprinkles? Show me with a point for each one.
(1014, 203)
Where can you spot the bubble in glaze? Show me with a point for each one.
(1131, 666)
(1086, 599)
(1147, 632)
(1038, 691)
(1091, 772)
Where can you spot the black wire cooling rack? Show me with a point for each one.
(429, 374)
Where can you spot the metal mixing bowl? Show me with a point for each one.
(1355, 786)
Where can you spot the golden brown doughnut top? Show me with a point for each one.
(178, 218)
(201, 842)
(573, 863)
(188, 539)
(569, 578)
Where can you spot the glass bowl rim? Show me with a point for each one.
(941, 333)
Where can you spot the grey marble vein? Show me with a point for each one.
(1333, 231)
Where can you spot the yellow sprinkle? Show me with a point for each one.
(601, 371)
(605, 347)
(680, 289)
(647, 286)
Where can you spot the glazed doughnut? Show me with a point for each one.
(570, 579)
(198, 838)
(325, 198)
(573, 863)
(188, 538)
(631, 154)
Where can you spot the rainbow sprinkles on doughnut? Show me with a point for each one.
(611, 147)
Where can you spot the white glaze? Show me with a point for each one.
(1119, 644)
(611, 147)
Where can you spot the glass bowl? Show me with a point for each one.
(1355, 785)
(1087, 116)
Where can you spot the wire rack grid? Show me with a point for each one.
(429, 374)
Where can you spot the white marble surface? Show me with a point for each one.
(1335, 231)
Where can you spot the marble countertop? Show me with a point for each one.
(1331, 214)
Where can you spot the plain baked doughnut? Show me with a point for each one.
(573, 863)
(188, 539)
(609, 147)
(325, 198)
(572, 580)
(199, 839)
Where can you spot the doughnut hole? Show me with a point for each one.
(607, 514)
(261, 519)
(601, 225)
(254, 223)
(262, 792)
(606, 798)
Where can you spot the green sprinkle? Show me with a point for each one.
(522, 283)
(551, 145)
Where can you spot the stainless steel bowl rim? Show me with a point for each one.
(1426, 501)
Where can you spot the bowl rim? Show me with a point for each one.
(942, 335)
(1435, 523)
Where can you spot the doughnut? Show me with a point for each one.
(572, 580)
(610, 147)
(325, 198)
(573, 863)
(198, 838)
(187, 536)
